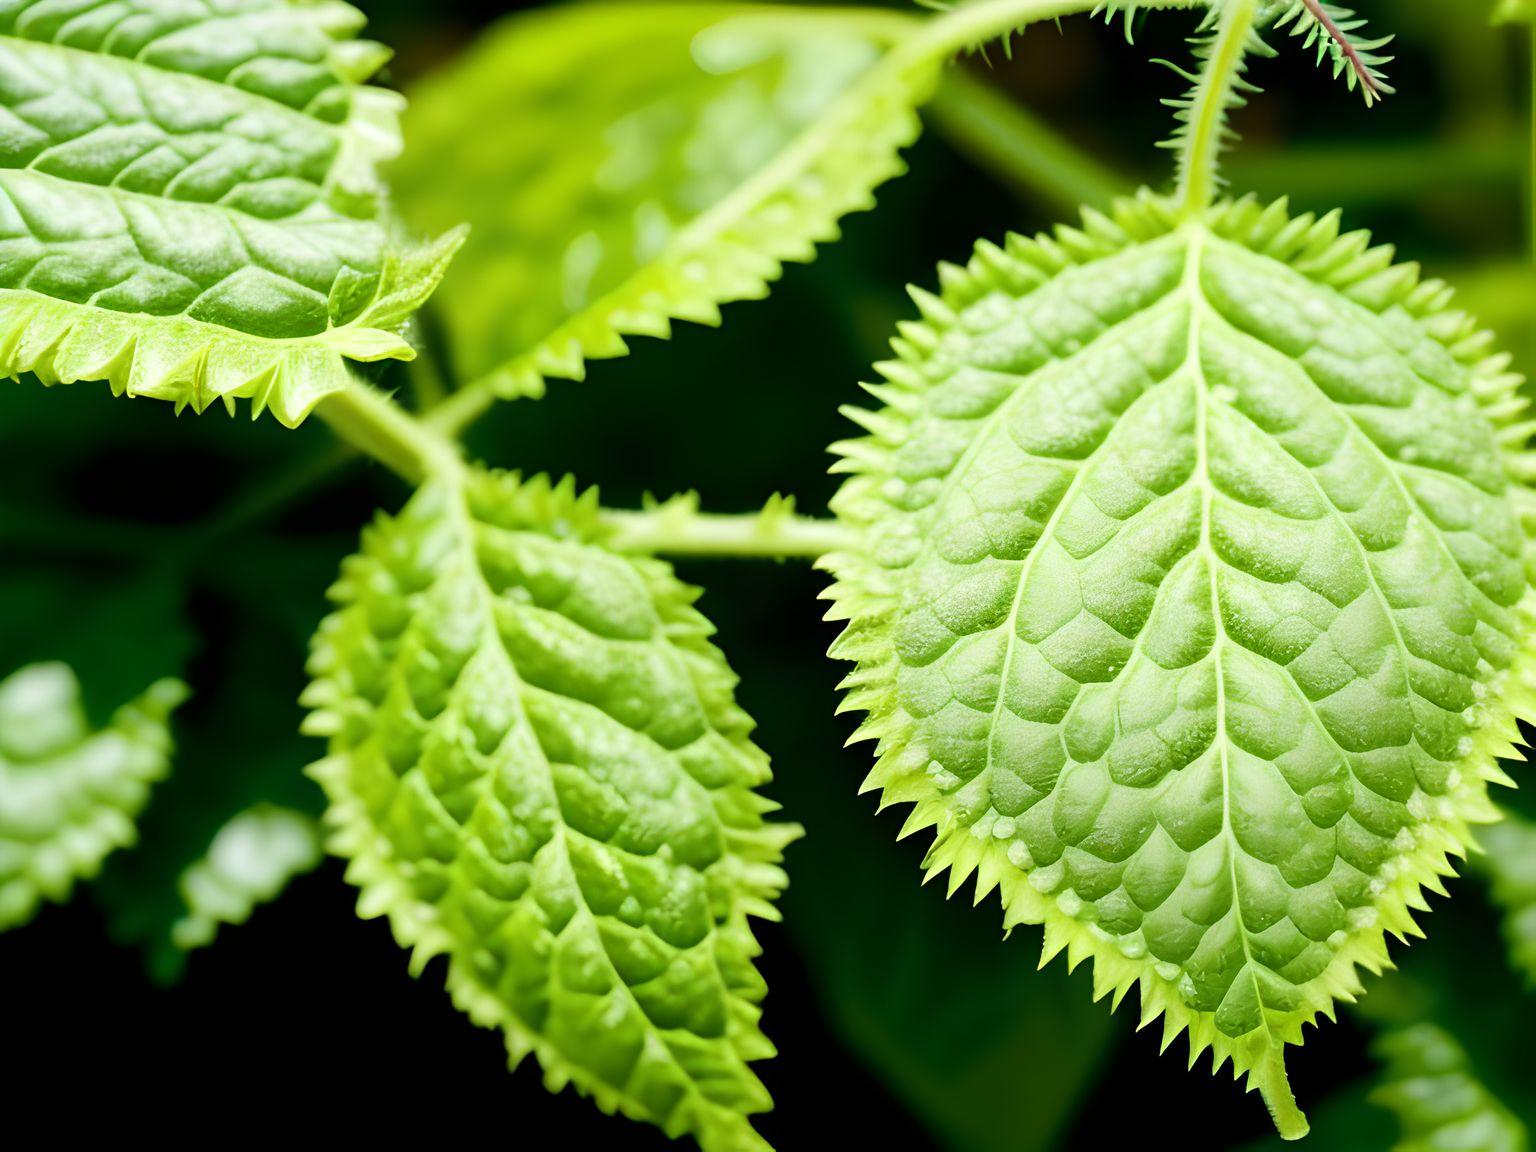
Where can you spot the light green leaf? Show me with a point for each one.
(1192, 606)
(1510, 11)
(627, 165)
(250, 861)
(250, 684)
(537, 767)
(189, 208)
(68, 796)
(1511, 865)
(1441, 1105)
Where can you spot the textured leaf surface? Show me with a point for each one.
(537, 767)
(1511, 864)
(624, 166)
(1440, 1104)
(69, 796)
(1192, 603)
(188, 203)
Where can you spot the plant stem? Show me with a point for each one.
(374, 424)
(684, 531)
(1218, 90)
(1006, 138)
(1531, 180)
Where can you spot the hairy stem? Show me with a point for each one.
(1218, 90)
(1005, 138)
(371, 422)
(684, 531)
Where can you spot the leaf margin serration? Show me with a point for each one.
(865, 604)
(143, 722)
(734, 253)
(193, 363)
(572, 514)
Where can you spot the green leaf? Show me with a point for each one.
(537, 768)
(189, 207)
(69, 796)
(250, 861)
(656, 161)
(157, 897)
(1511, 865)
(1333, 33)
(1512, 11)
(1191, 608)
(1440, 1104)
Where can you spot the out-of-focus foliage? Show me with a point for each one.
(1511, 866)
(69, 796)
(1440, 1104)
(661, 160)
(193, 210)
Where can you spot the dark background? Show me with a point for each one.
(903, 1021)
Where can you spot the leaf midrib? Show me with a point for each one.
(465, 530)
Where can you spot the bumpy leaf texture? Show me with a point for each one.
(1440, 1104)
(188, 202)
(649, 163)
(1192, 603)
(538, 768)
(1511, 865)
(69, 796)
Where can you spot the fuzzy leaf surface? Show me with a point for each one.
(538, 768)
(651, 162)
(189, 207)
(69, 796)
(1192, 603)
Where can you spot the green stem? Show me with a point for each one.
(1002, 136)
(1218, 90)
(374, 424)
(1531, 188)
(683, 531)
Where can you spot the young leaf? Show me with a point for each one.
(625, 166)
(537, 767)
(1191, 608)
(1440, 1104)
(69, 796)
(1511, 865)
(1334, 32)
(188, 203)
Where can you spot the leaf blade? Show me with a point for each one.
(537, 768)
(1080, 622)
(720, 144)
(68, 796)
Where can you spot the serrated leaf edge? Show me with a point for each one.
(572, 514)
(738, 248)
(863, 600)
